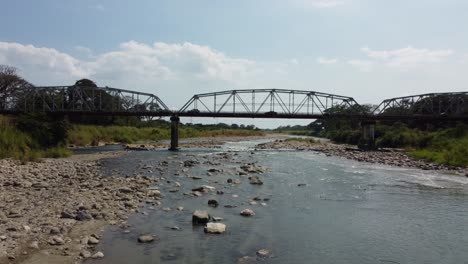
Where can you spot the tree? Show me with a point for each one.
(85, 83)
(10, 85)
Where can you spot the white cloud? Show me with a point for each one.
(362, 65)
(132, 60)
(322, 60)
(41, 61)
(408, 58)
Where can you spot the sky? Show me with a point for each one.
(367, 49)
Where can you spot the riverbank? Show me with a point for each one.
(53, 211)
(392, 157)
(199, 142)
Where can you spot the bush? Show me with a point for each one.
(21, 146)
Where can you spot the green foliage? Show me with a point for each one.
(399, 135)
(347, 136)
(15, 144)
(447, 146)
(21, 146)
(45, 130)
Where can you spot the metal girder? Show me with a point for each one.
(430, 105)
(279, 102)
(81, 99)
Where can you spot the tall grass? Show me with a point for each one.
(82, 135)
(448, 146)
(21, 146)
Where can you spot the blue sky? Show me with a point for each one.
(368, 49)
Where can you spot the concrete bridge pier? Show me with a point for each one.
(368, 134)
(175, 120)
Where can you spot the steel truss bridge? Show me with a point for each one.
(259, 103)
(255, 103)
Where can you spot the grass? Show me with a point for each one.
(82, 135)
(21, 146)
(453, 152)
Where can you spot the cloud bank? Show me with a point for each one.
(161, 61)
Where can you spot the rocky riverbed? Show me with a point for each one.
(392, 157)
(54, 209)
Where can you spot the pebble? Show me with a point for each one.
(217, 219)
(34, 245)
(255, 180)
(85, 254)
(56, 241)
(54, 230)
(213, 203)
(263, 253)
(93, 241)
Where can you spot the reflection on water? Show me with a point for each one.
(317, 210)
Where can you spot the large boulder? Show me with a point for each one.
(200, 217)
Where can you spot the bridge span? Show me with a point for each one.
(251, 103)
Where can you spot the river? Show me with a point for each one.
(347, 211)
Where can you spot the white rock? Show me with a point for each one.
(145, 239)
(93, 241)
(98, 255)
(200, 217)
(247, 212)
(215, 228)
(263, 253)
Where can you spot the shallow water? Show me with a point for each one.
(348, 212)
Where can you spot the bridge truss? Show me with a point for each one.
(272, 103)
(431, 105)
(83, 100)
